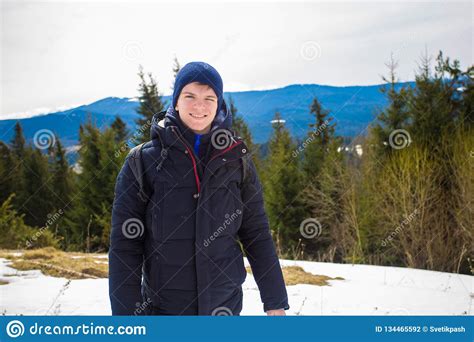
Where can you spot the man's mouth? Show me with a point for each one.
(198, 116)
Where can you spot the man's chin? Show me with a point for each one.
(200, 129)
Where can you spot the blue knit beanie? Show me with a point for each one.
(198, 72)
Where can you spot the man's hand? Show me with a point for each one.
(279, 312)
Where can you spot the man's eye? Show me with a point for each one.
(212, 100)
(189, 97)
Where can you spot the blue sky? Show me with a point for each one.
(58, 54)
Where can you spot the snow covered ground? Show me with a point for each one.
(366, 290)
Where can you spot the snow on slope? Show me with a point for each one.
(366, 290)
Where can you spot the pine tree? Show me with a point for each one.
(324, 198)
(243, 130)
(396, 114)
(18, 149)
(87, 201)
(62, 185)
(176, 69)
(151, 103)
(18, 142)
(62, 181)
(282, 183)
(431, 108)
(7, 172)
(462, 85)
(317, 141)
(120, 128)
(322, 167)
(88, 221)
(109, 168)
(38, 203)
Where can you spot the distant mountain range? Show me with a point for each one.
(353, 108)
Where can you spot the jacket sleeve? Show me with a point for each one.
(126, 244)
(254, 234)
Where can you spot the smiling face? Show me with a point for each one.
(197, 107)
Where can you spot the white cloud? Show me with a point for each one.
(78, 52)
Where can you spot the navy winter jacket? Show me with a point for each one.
(179, 254)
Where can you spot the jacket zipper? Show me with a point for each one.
(191, 154)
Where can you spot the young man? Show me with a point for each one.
(179, 252)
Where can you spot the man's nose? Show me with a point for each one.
(200, 105)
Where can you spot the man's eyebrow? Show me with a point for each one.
(190, 93)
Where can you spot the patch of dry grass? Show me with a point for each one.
(3, 282)
(297, 275)
(56, 263)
